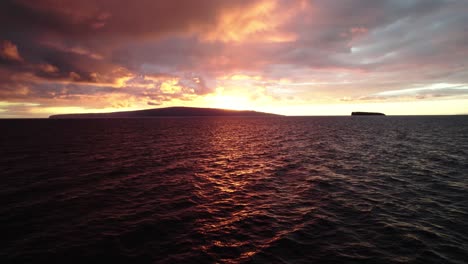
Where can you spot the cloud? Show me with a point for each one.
(438, 90)
(434, 90)
(9, 51)
(102, 53)
(117, 19)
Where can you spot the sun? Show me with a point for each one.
(233, 102)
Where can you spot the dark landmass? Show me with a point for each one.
(166, 112)
(366, 114)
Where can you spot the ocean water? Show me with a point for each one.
(235, 190)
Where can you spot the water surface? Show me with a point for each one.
(235, 190)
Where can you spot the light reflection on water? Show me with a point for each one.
(234, 190)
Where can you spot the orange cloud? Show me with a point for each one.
(258, 23)
(170, 87)
(48, 68)
(9, 51)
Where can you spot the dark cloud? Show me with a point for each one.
(99, 19)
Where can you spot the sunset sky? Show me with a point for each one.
(292, 57)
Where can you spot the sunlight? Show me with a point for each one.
(228, 102)
(122, 81)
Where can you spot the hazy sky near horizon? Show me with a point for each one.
(295, 57)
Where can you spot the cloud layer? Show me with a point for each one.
(106, 54)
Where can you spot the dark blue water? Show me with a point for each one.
(235, 190)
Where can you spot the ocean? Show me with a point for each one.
(235, 190)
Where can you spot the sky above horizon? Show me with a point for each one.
(292, 57)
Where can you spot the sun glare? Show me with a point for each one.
(228, 102)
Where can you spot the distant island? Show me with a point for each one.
(166, 112)
(366, 114)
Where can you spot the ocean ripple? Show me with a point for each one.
(235, 190)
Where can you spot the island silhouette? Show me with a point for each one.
(178, 111)
(367, 114)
